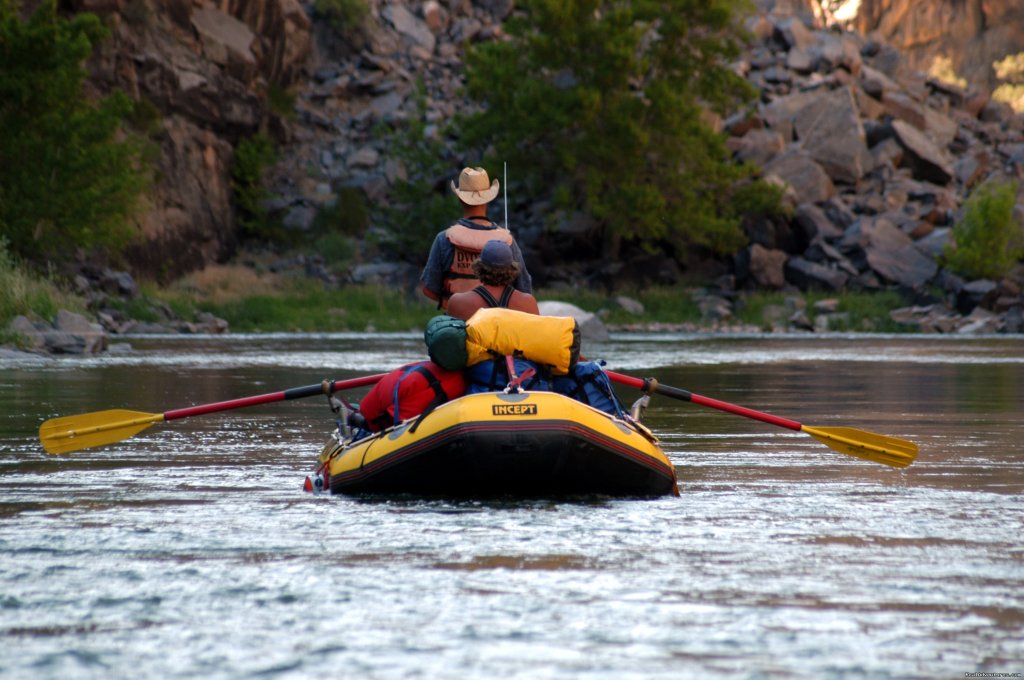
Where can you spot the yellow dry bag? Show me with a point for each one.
(553, 341)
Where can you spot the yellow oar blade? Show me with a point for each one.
(71, 433)
(878, 448)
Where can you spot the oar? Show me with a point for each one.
(71, 433)
(878, 448)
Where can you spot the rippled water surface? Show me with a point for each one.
(190, 550)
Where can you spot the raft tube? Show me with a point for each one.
(529, 444)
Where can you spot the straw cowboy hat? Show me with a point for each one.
(473, 187)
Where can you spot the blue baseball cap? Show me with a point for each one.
(496, 254)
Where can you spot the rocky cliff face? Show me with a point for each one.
(971, 33)
(206, 68)
(877, 158)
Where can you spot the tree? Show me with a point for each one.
(603, 103)
(69, 175)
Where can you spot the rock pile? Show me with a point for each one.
(877, 161)
(69, 333)
(105, 291)
(335, 140)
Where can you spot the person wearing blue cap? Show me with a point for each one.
(497, 270)
(449, 267)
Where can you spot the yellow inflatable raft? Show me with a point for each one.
(531, 444)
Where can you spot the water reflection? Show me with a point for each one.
(781, 557)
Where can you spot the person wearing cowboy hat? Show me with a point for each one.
(449, 267)
(497, 270)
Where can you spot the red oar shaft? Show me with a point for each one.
(878, 448)
(747, 412)
(284, 395)
(684, 395)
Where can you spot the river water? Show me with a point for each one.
(190, 550)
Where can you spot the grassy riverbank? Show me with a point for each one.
(256, 300)
(307, 306)
(25, 293)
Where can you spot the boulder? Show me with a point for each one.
(762, 265)
(630, 305)
(934, 243)
(824, 253)
(409, 25)
(226, 41)
(714, 309)
(806, 275)
(812, 223)
(829, 128)
(979, 293)
(759, 146)
(74, 334)
(797, 169)
(793, 32)
(592, 329)
(906, 266)
(284, 32)
(31, 334)
(926, 160)
(980, 321)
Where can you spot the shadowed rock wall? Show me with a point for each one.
(206, 68)
(972, 33)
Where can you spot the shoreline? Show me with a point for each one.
(254, 299)
(75, 335)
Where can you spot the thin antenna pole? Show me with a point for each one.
(505, 185)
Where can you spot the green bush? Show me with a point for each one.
(253, 155)
(348, 215)
(69, 176)
(603, 105)
(338, 228)
(336, 248)
(344, 16)
(281, 101)
(988, 239)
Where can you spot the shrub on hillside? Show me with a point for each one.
(988, 238)
(70, 177)
(602, 105)
(253, 155)
(344, 16)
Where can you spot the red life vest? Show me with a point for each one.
(467, 242)
(415, 387)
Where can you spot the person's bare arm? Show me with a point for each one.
(523, 302)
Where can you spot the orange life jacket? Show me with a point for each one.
(468, 239)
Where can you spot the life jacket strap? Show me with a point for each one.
(440, 396)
